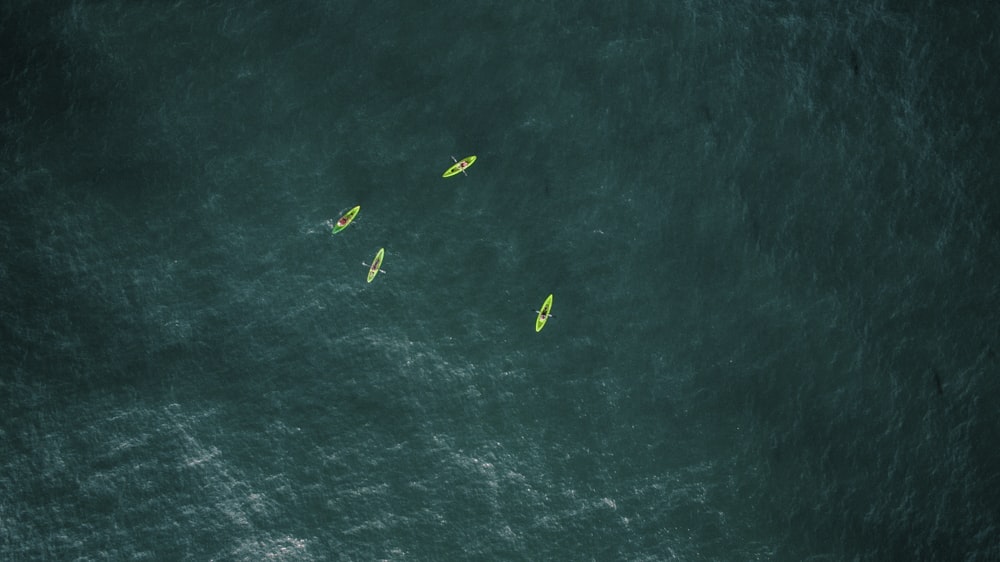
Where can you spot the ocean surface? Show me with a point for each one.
(771, 228)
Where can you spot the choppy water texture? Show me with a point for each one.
(771, 228)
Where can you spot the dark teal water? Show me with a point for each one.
(771, 228)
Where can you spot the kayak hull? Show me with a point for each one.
(345, 220)
(458, 167)
(543, 314)
(376, 264)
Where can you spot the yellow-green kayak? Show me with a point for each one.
(376, 264)
(460, 166)
(544, 314)
(346, 220)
